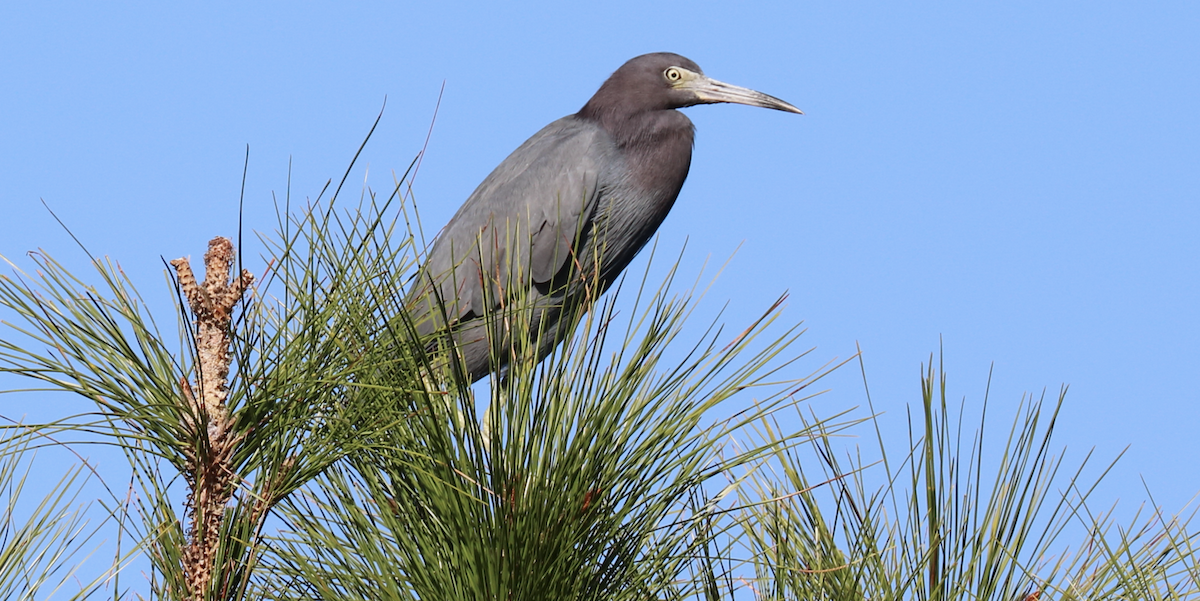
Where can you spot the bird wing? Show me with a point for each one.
(520, 226)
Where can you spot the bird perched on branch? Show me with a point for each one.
(551, 228)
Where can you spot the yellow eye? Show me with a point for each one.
(673, 74)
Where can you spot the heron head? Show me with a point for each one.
(663, 81)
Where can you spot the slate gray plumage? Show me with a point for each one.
(559, 219)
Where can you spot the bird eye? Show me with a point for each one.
(672, 74)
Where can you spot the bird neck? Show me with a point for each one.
(656, 146)
(658, 151)
(639, 129)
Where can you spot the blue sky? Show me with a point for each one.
(1019, 180)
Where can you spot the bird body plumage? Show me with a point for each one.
(559, 219)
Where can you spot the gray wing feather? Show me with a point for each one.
(518, 227)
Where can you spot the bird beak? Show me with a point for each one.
(711, 91)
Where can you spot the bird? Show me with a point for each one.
(554, 224)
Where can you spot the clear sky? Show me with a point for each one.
(1020, 179)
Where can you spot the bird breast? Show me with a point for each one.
(641, 188)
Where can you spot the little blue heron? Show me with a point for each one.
(565, 213)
